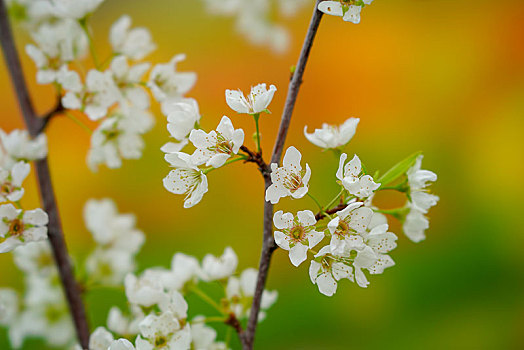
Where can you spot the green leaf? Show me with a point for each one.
(398, 169)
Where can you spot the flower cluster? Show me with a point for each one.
(211, 149)
(42, 312)
(117, 239)
(19, 226)
(158, 312)
(254, 19)
(358, 232)
(115, 93)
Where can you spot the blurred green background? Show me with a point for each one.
(445, 77)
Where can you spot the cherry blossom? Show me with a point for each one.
(350, 175)
(257, 101)
(332, 136)
(290, 179)
(185, 179)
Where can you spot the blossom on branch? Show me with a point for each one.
(333, 136)
(257, 101)
(289, 179)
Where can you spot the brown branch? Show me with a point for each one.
(256, 157)
(321, 215)
(233, 321)
(46, 118)
(268, 243)
(55, 234)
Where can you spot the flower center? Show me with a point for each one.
(342, 228)
(293, 182)
(160, 341)
(223, 145)
(6, 188)
(17, 227)
(297, 233)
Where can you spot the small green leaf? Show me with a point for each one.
(398, 169)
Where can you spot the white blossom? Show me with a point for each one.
(134, 43)
(257, 101)
(95, 97)
(325, 271)
(342, 8)
(128, 78)
(296, 234)
(333, 136)
(216, 147)
(11, 182)
(18, 146)
(240, 292)
(119, 137)
(121, 344)
(204, 337)
(100, 339)
(290, 179)
(382, 242)
(35, 258)
(347, 226)
(145, 290)
(57, 43)
(164, 331)
(350, 175)
(18, 227)
(182, 115)
(8, 306)
(185, 179)
(214, 268)
(122, 324)
(165, 82)
(76, 9)
(415, 222)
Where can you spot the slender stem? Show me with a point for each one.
(207, 299)
(257, 116)
(85, 27)
(211, 319)
(55, 234)
(335, 199)
(241, 157)
(77, 121)
(316, 201)
(268, 243)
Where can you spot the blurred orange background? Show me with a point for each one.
(444, 77)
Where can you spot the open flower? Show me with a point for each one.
(165, 82)
(76, 9)
(290, 179)
(257, 101)
(164, 331)
(326, 270)
(11, 182)
(214, 268)
(296, 234)
(333, 136)
(216, 147)
(134, 43)
(382, 242)
(415, 222)
(347, 226)
(182, 115)
(185, 179)
(18, 227)
(18, 146)
(94, 99)
(350, 175)
(128, 78)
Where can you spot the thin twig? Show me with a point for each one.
(321, 215)
(268, 243)
(46, 118)
(55, 234)
(256, 157)
(233, 321)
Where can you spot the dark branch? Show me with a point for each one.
(268, 243)
(233, 321)
(55, 234)
(256, 158)
(46, 118)
(322, 215)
